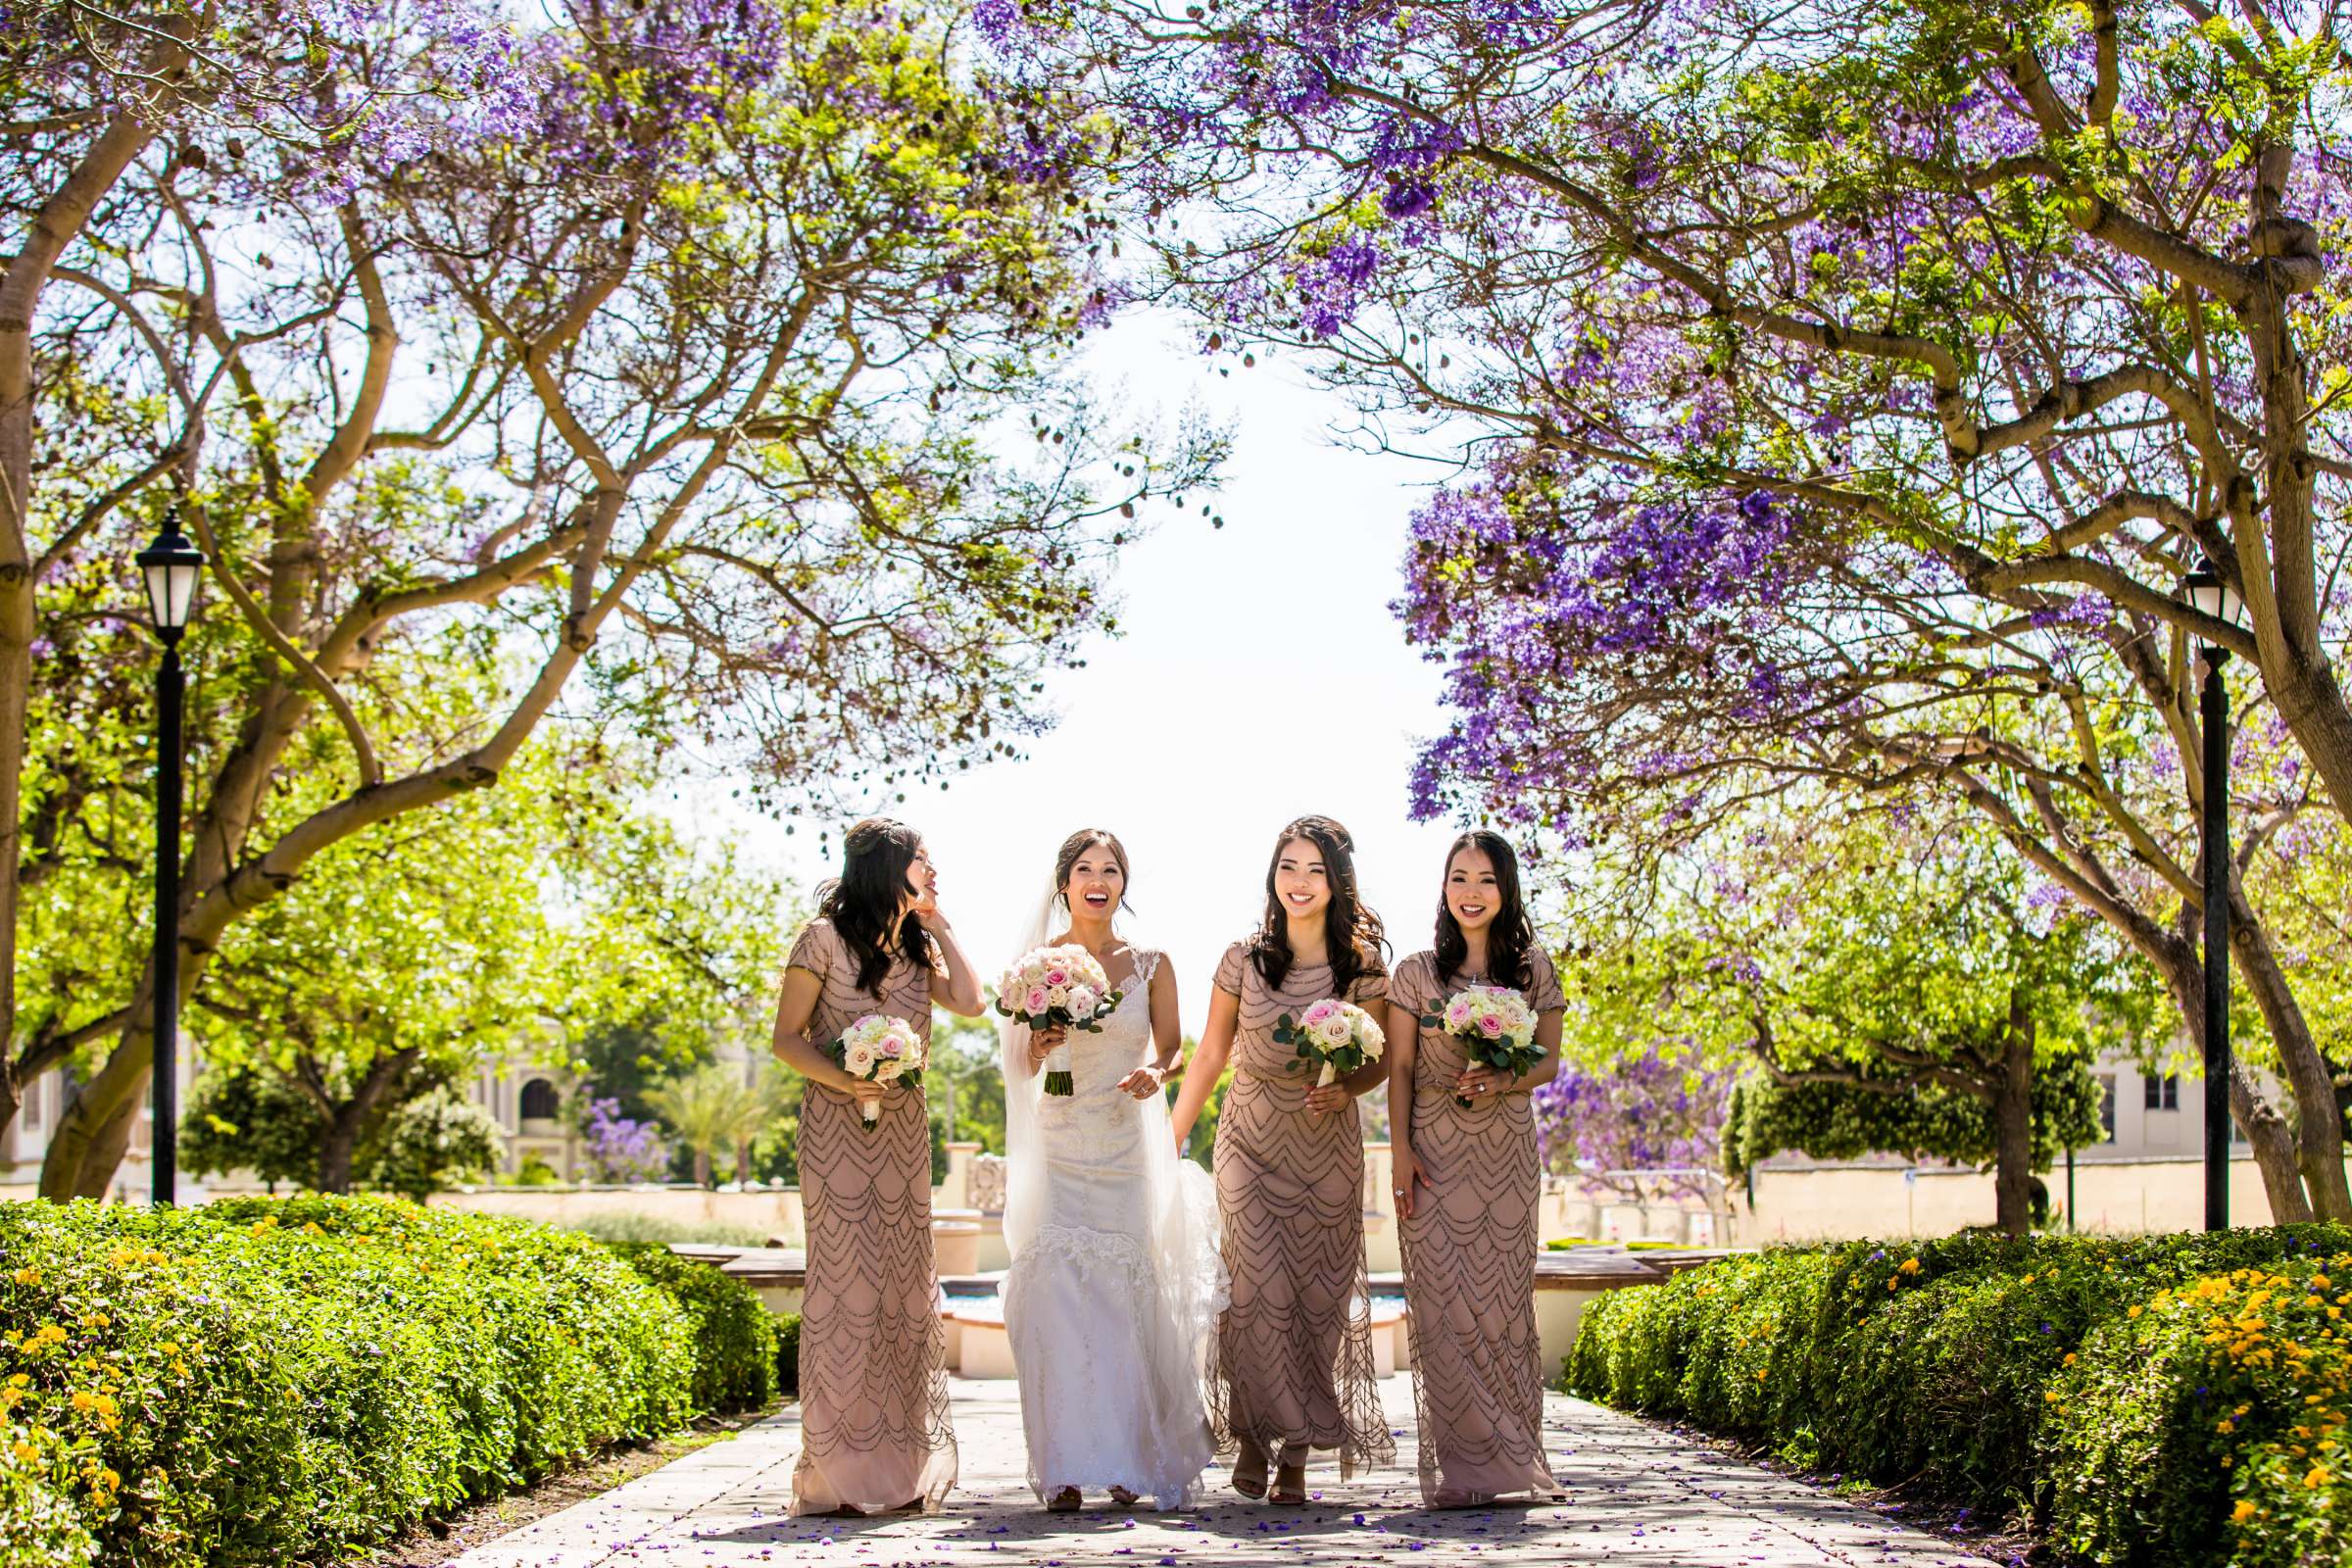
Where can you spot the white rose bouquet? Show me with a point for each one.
(1496, 1026)
(882, 1049)
(1057, 986)
(1338, 1035)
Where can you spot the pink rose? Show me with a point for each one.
(1057, 975)
(1489, 1026)
(1035, 1000)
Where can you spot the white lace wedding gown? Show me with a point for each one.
(1115, 1275)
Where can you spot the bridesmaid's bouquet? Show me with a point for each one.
(1496, 1026)
(1339, 1035)
(883, 1049)
(1061, 986)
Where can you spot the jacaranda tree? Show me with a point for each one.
(1889, 363)
(653, 359)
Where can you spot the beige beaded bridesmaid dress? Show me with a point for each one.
(874, 1428)
(1293, 1353)
(1470, 1265)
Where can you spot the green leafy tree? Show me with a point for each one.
(251, 1121)
(965, 1081)
(431, 1142)
(491, 930)
(1914, 966)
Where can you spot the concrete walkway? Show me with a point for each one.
(1636, 1495)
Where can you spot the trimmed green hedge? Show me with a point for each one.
(2139, 1399)
(787, 1354)
(734, 1333)
(268, 1378)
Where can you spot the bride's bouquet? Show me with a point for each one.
(1062, 985)
(1496, 1026)
(881, 1050)
(1339, 1035)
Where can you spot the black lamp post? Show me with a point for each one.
(2207, 592)
(172, 566)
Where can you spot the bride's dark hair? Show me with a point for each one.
(1511, 939)
(863, 903)
(1351, 932)
(1077, 844)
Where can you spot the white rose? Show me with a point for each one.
(1083, 999)
(1058, 996)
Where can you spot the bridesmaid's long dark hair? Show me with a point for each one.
(863, 903)
(1511, 940)
(1351, 932)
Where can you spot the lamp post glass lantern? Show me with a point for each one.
(172, 568)
(2209, 593)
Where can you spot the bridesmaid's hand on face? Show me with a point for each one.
(1324, 1098)
(922, 892)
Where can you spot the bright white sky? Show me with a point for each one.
(1258, 675)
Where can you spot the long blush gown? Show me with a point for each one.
(1470, 1263)
(874, 1428)
(1293, 1365)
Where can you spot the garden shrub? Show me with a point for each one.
(787, 1354)
(734, 1333)
(1967, 1364)
(39, 1526)
(263, 1379)
(2225, 1398)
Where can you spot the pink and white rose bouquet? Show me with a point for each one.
(1057, 986)
(1339, 1037)
(880, 1049)
(1496, 1026)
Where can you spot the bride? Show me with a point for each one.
(1115, 1278)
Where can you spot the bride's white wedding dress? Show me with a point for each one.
(1115, 1278)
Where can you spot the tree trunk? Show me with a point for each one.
(742, 1160)
(2013, 1125)
(336, 1145)
(2319, 1122)
(347, 1120)
(44, 242)
(702, 1167)
(2272, 1141)
(94, 1129)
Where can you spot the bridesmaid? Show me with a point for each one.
(1467, 1183)
(1292, 1360)
(875, 1430)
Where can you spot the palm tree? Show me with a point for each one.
(707, 1109)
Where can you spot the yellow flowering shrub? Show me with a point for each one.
(39, 1524)
(2229, 1398)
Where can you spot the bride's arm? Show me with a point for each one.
(1208, 1061)
(1167, 1036)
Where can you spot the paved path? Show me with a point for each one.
(1637, 1495)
